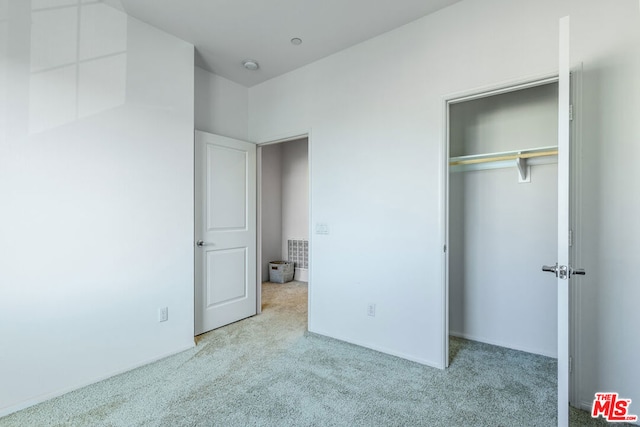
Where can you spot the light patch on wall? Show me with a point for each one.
(52, 99)
(78, 62)
(101, 84)
(54, 38)
(103, 31)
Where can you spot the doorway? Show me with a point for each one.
(502, 217)
(283, 225)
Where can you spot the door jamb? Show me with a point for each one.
(576, 224)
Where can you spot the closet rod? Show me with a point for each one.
(505, 157)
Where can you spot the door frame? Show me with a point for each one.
(576, 223)
(576, 170)
(293, 136)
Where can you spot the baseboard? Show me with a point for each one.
(472, 337)
(384, 350)
(586, 406)
(301, 274)
(7, 410)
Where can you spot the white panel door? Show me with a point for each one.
(225, 251)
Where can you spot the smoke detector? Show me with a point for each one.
(250, 64)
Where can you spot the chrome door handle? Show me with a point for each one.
(563, 271)
(578, 271)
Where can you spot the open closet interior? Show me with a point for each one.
(502, 223)
(285, 206)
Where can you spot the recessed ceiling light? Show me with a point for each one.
(250, 64)
(296, 41)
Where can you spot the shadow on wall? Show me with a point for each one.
(608, 220)
(457, 279)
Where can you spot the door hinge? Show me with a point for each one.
(570, 112)
(445, 248)
(570, 364)
(570, 238)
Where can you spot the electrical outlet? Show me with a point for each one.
(163, 314)
(371, 310)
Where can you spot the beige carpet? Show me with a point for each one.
(267, 371)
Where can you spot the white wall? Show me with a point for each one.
(507, 231)
(96, 185)
(271, 206)
(516, 120)
(221, 106)
(295, 192)
(606, 39)
(501, 231)
(376, 117)
(376, 112)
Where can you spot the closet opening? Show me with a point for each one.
(283, 226)
(501, 219)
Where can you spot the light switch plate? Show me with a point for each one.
(322, 228)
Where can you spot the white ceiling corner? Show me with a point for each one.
(227, 32)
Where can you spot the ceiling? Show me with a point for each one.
(226, 32)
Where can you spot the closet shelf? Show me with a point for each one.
(521, 159)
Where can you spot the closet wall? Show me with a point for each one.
(501, 231)
(285, 201)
